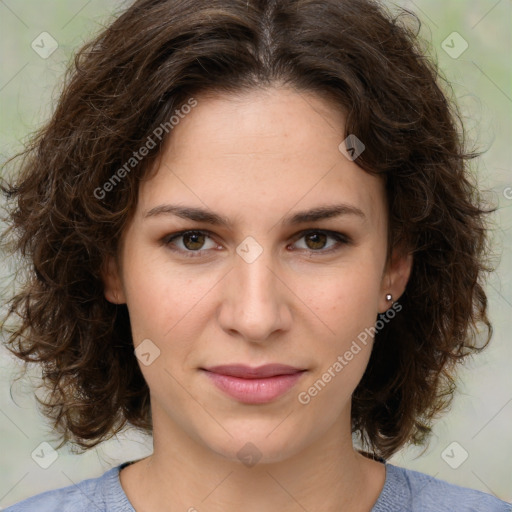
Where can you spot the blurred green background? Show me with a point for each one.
(480, 421)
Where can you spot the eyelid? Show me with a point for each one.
(328, 232)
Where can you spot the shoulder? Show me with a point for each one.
(413, 491)
(100, 494)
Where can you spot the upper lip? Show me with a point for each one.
(248, 372)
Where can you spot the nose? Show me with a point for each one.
(255, 300)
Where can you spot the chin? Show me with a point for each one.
(257, 445)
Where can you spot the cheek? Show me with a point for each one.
(160, 297)
(341, 352)
(346, 300)
(347, 303)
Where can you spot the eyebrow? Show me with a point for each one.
(209, 217)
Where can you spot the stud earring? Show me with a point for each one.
(389, 296)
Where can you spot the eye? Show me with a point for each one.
(191, 244)
(316, 240)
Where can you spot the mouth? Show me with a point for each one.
(250, 385)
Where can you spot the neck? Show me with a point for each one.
(184, 474)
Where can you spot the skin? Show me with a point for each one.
(255, 159)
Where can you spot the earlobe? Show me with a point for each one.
(113, 289)
(396, 278)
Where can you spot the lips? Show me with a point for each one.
(254, 385)
(260, 372)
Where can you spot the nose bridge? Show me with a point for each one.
(254, 263)
(255, 304)
(255, 277)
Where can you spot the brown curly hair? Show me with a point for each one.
(130, 79)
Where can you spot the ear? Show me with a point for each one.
(395, 277)
(110, 274)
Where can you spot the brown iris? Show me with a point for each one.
(196, 240)
(318, 240)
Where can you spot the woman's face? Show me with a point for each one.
(259, 284)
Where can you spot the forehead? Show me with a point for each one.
(265, 151)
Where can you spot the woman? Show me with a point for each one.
(251, 232)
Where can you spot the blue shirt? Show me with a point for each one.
(404, 491)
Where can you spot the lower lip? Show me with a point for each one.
(255, 391)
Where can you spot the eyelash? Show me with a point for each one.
(340, 238)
